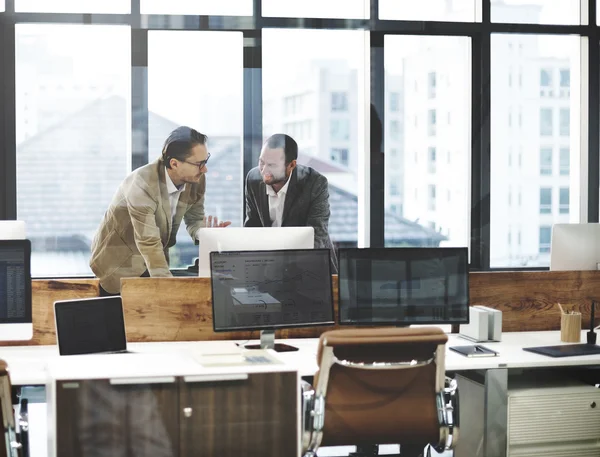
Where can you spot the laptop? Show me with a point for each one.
(90, 326)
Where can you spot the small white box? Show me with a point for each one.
(494, 323)
(477, 328)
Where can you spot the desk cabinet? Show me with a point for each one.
(249, 415)
(546, 416)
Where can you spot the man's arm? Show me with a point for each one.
(142, 211)
(252, 215)
(318, 213)
(194, 218)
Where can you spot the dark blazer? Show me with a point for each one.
(306, 203)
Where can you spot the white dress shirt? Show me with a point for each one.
(276, 203)
(174, 193)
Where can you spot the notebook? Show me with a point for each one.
(566, 350)
(90, 326)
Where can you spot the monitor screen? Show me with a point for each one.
(15, 281)
(575, 247)
(262, 290)
(403, 286)
(250, 239)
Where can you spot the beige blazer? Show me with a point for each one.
(137, 231)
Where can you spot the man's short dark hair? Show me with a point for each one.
(289, 145)
(179, 144)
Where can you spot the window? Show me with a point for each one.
(339, 129)
(545, 77)
(546, 121)
(196, 7)
(2, 6)
(428, 10)
(540, 12)
(563, 201)
(431, 162)
(546, 200)
(394, 102)
(327, 68)
(340, 155)
(431, 193)
(431, 84)
(564, 161)
(565, 77)
(565, 121)
(395, 130)
(427, 62)
(339, 101)
(546, 161)
(62, 213)
(394, 188)
(172, 77)
(335, 9)
(545, 238)
(70, 6)
(431, 124)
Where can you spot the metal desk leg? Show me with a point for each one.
(495, 421)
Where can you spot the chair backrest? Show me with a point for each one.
(381, 385)
(10, 446)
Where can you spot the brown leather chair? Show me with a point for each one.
(381, 386)
(11, 446)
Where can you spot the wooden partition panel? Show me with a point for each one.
(44, 292)
(180, 309)
(528, 299)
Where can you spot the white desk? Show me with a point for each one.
(32, 365)
(28, 364)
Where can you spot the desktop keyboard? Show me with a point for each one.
(257, 359)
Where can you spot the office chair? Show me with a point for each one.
(11, 446)
(380, 386)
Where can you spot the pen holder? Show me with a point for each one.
(570, 327)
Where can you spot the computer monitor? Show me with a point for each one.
(403, 286)
(575, 247)
(12, 230)
(15, 290)
(250, 239)
(268, 290)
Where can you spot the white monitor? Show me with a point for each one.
(12, 230)
(15, 290)
(575, 247)
(250, 239)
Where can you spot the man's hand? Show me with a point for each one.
(214, 222)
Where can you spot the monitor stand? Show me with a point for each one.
(267, 341)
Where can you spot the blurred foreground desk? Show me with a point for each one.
(172, 404)
(226, 409)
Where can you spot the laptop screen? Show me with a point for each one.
(90, 325)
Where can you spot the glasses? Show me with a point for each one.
(199, 164)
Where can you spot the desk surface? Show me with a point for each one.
(32, 365)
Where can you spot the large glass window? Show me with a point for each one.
(324, 70)
(73, 6)
(196, 7)
(547, 117)
(413, 67)
(73, 105)
(536, 11)
(429, 10)
(546, 200)
(205, 94)
(2, 6)
(546, 161)
(344, 9)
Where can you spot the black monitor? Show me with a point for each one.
(403, 286)
(267, 290)
(15, 290)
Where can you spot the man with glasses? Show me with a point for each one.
(144, 216)
(281, 193)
